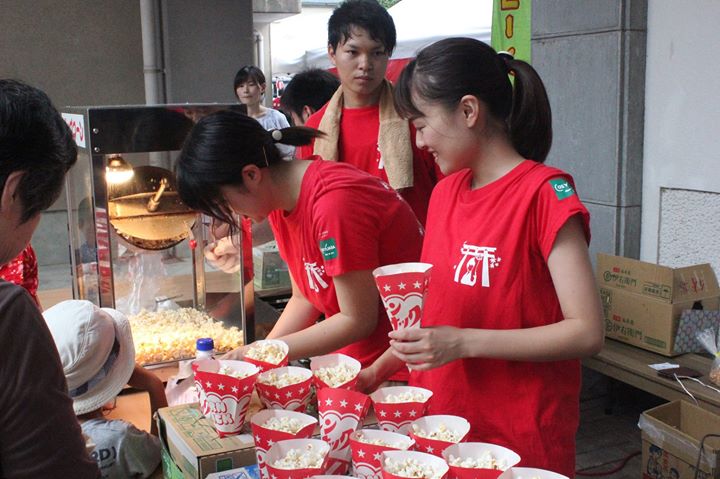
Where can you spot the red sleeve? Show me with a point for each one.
(557, 201)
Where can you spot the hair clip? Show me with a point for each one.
(276, 135)
(505, 55)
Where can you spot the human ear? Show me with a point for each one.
(252, 175)
(10, 190)
(307, 111)
(472, 109)
(331, 54)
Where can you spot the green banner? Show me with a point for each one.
(511, 27)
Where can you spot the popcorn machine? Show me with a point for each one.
(134, 245)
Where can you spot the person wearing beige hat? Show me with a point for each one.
(39, 434)
(98, 357)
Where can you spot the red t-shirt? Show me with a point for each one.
(345, 220)
(23, 271)
(489, 248)
(358, 146)
(247, 245)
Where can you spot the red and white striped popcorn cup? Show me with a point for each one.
(403, 288)
(335, 371)
(478, 460)
(265, 424)
(297, 458)
(530, 473)
(226, 397)
(267, 354)
(367, 446)
(443, 431)
(294, 397)
(412, 464)
(341, 413)
(396, 407)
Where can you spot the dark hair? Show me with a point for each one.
(366, 14)
(219, 146)
(310, 87)
(449, 69)
(248, 72)
(35, 139)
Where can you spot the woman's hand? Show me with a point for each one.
(367, 379)
(427, 348)
(237, 354)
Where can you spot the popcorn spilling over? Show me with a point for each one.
(266, 352)
(171, 334)
(233, 373)
(441, 434)
(308, 458)
(285, 424)
(280, 380)
(335, 376)
(408, 396)
(485, 461)
(379, 442)
(410, 467)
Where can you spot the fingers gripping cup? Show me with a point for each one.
(403, 288)
(412, 465)
(226, 389)
(288, 387)
(274, 425)
(432, 434)
(367, 446)
(478, 460)
(341, 413)
(396, 407)
(335, 371)
(267, 354)
(297, 458)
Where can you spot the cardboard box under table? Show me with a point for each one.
(671, 437)
(642, 302)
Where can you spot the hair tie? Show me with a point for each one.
(276, 135)
(505, 55)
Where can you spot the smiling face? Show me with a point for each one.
(361, 63)
(250, 92)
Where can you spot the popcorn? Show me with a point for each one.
(485, 461)
(335, 376)
(379, 442)
(233, 373)
(266, 351)
(411, 467)
(442, 433)
(285, 424)
(407, 396)
(280, 381)
(306, 458)
(171, 334)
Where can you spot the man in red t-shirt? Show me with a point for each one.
(360, 120)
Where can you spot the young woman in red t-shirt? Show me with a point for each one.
(333, 223)
(512, 303)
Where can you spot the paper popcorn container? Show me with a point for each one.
(366, 457)
(397, 416)
(294, 397)
(265, 365)
(402, 289)
(330, 476)
(265, 437)
(430, 424)
(530, 473)
(438, 465)
(504, 457)
(331, 360)
(226, 398)
(341, 413)
(281, 449)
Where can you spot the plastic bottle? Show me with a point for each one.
(204, 348)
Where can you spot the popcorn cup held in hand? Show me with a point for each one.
(273, 425)
(288, 387)
(403, 288)
(226, 389)
(267, 354)
(478, 460)
(432, 434)
(396, 407)
(367, 446)
(297, 458)
(412, 464)
(530, 473)
(335, 371)
(341, 413)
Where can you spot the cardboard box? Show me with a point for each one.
(671, 436)
(642, 302)
(194, 447)
(269, 269)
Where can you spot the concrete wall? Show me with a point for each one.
(590, 54)
(680, 226)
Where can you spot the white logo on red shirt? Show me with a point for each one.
(474, 256)
(315, 276)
